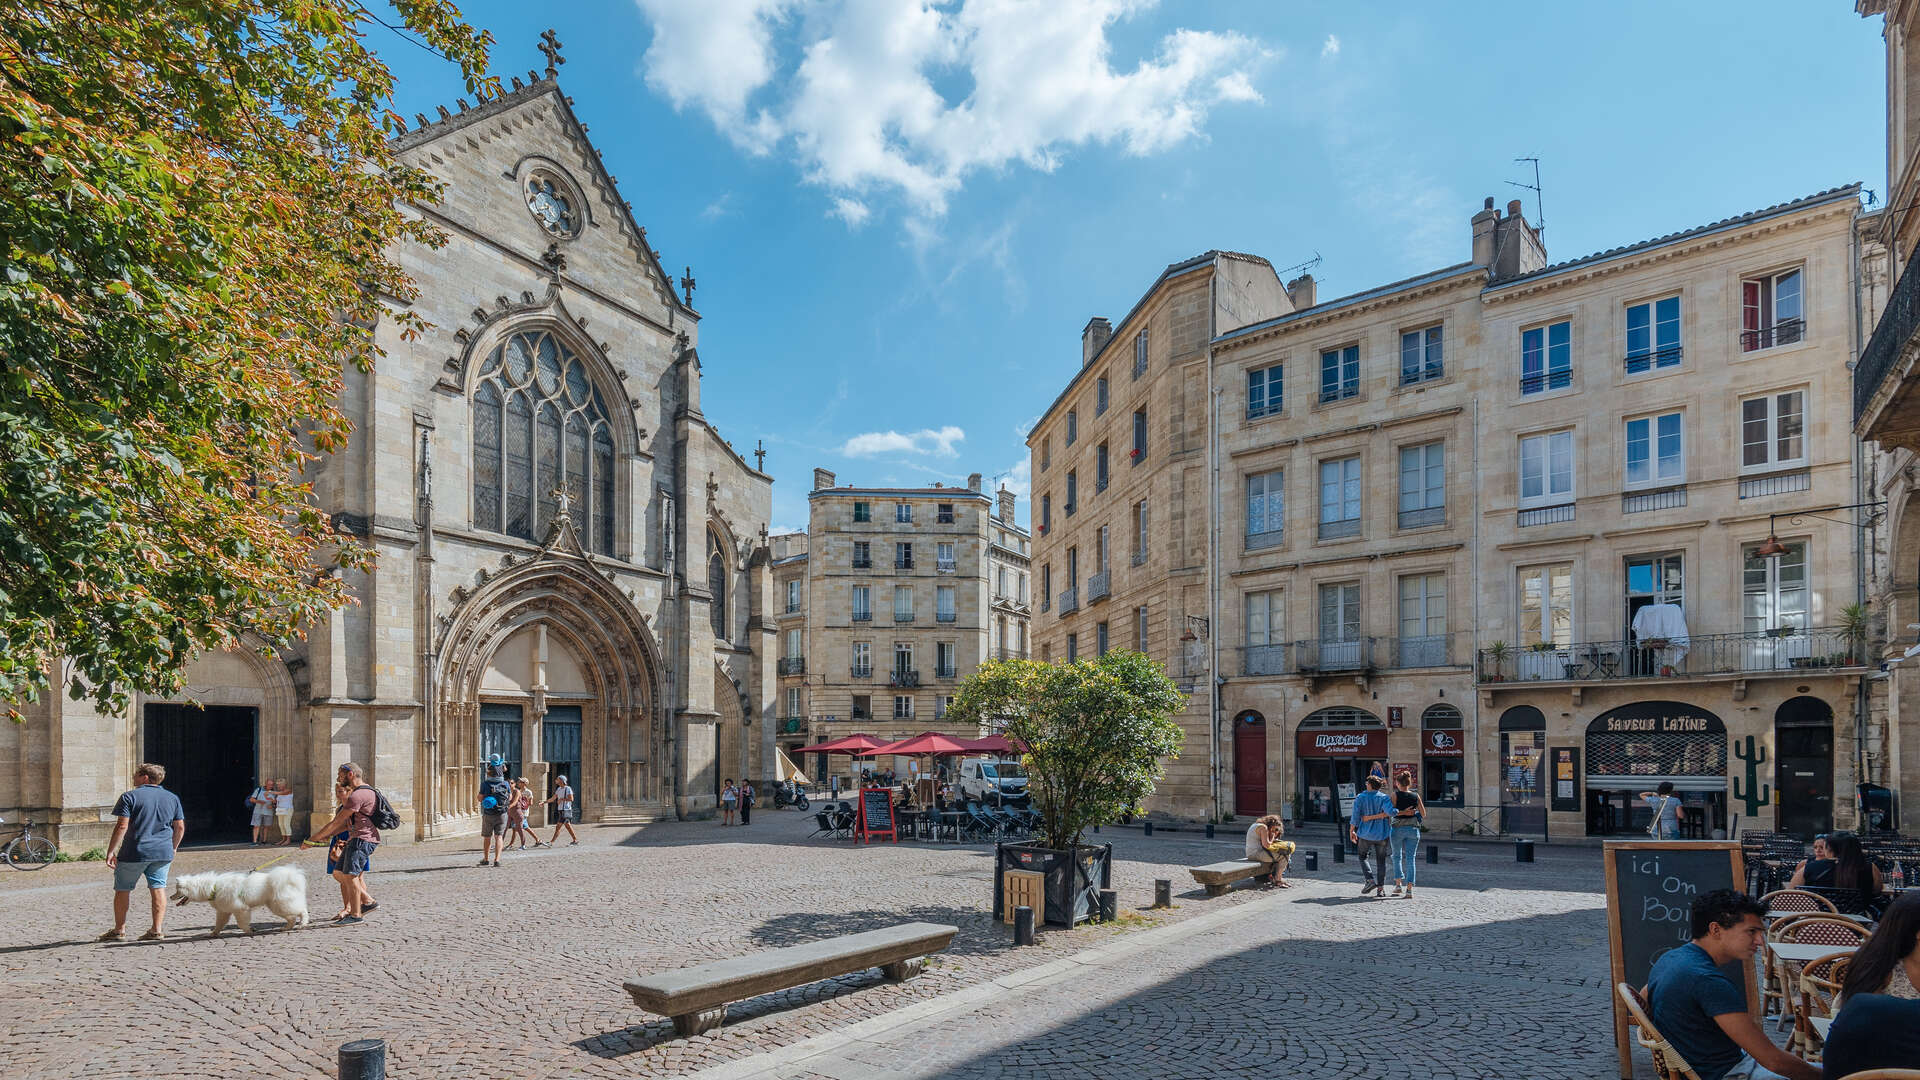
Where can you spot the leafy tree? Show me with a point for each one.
(197, 202)
(1097, 733)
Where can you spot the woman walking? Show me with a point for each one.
(283, 810)
(519, 806)
(1409, 813)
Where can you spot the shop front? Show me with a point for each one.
(1634, 748)
(1443, 757)
(1336, 749)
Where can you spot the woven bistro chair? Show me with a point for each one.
(1883, 1074)
(1809, 930)
(1797, 900)
(1820, 982)
(1667, 1062)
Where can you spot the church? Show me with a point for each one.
(573, 567)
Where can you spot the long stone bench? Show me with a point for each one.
(1219, 877)
(696, 997)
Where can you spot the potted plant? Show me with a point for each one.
(1097, 734)
(1497, 652)
(1854, 625)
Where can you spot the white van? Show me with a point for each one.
(992, 781)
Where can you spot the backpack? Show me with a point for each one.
(383, 816)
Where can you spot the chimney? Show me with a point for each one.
(1300, 292)
(1006, 506)
(1484, 224)
(1507, 246)
(1094, 338)
(822, 479)
(973, 481)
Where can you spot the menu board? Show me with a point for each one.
(875, 818)
(1651, 885)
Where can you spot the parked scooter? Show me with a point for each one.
(790, 793)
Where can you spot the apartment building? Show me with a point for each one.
(1432, 514)
(891, 598)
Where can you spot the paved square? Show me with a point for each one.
(1496, 970)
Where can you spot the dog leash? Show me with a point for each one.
(275, 859)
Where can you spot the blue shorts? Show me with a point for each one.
(129, 871)
(357, 858)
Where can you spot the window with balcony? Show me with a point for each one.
(1774, 593)
(1423, 485)
(794, 646)
(862, 603)
(943, 604)
(1656, 454)
(1770, 311)
(903, 603)
(943, 514)
(903, 555)
(902, 659)
(1546, 469)
(862, 512)
(903, 513)
(1139, 354)
(862, 667)
(1653, 335)
(1423, 621)
(1420, 356)
(1100, 397)
(1073, 426)
(1139, 435)
(1772, 431)
(1546, 358)
(1340, 498)
(1100, 468)
(862, 555)
(1266, 649)
(1339, 374)
(793, 702)
(943, 558)
(1266, 395)
(1339, 644)
(1266, 509)
(1073, 492)
(1546, 605)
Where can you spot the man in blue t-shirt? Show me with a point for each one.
(148, 828)
(1370, 830)
(1702, 1012)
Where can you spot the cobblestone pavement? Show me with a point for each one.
(1497, 970)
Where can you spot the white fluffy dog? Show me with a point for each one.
(234, 895)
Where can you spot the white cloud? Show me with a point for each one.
(863, 99)
(1330, 47)
(718, 208)
(1019, 479)
(925, 441)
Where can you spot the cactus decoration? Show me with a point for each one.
(1755, 756)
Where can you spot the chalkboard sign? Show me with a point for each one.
(876, 814)
(1651, 885)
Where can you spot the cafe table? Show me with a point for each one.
(1776, 915)
(1796, 952)
(1820, 1025)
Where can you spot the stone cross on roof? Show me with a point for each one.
(687, 283)
(550, 45)
(760, 454)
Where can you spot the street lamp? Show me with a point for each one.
(1773, 547)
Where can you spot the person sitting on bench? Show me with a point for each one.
(1264, 845)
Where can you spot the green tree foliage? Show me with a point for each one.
(1098, 733)
(197, 202)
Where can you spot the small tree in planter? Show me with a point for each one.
(1097, 733)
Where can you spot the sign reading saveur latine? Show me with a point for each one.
(1368, 744)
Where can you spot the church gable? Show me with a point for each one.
(519, 171)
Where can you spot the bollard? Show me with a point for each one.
(1162, 893)
(1209, 830)
(1313, 860)
(1146, 827)
(1339, 852)
(1523, 851)
(363, 1059)
(1109, 905)
(1433, 855)
(1023, 925)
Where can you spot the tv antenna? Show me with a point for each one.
(1539, 211)
(1300, 268)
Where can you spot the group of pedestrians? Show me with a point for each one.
(272, 805)
(1386, 828)
(506, 813)
(737, 799)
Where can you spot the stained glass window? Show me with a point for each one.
(538, 421)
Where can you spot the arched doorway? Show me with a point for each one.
(1443, 756)
(231, 728)
(1634, 748)
(1249, 764)
(1803, 769)
(1336, 747)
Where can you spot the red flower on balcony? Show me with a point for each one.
(1135, 455)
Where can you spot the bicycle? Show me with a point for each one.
(30, 852)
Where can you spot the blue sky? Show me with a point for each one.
(901, 214)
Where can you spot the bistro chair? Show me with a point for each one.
(1820, 982)
(1808, 930)
(1667, 1062)
(823, 819)
(1884, 1074)
(1797, 900)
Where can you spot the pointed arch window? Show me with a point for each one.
(717, 586)
(538, 422)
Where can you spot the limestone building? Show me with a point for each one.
(573, 568)
(1419, 523)
(891, 598)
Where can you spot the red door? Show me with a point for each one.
(1249, 765)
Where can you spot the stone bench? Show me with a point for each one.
(696, 997)
(1219, 877)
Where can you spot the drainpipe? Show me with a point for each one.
(1213, 551)
(1862, 708)
(1474, 727)
(428, 783)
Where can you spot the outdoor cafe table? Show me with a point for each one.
(1797, 952)
(1863, 920)
(1821, 1024)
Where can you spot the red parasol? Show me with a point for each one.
(851, 744)
(993, 744)
(927, 742)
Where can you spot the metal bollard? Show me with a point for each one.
(1209, 830)
(1109, 905)
(1162, 893)
(1146, 827)
(1022, 926)
(1433, 855)
(1313, 860)
(1523, 851)
(1339, 852)
(363, 1059)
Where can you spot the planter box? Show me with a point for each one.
(1073, 879)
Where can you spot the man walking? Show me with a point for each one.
(148, 827)
(495, 794)
(562, 800)
(1370, 830)
(355, 818)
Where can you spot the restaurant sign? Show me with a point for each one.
(1443, 744)
(1657, 718)
(1323, 744)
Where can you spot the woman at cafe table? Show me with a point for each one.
(1846, 867)
(1889, 961)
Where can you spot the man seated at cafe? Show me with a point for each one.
(1702, 1012)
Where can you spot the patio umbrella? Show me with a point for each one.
(993, 744)
(927, 742)
(850, 744)
(786, 770)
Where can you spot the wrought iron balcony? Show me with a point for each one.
(1069, 602)
(944, 519)
(1325, 655)
(1140, 558)
(903, 564)
(863, 564)
(1781, 483)
(1658, 358)
(1424, 517)
(946, 566)
(793, 665)
(1266, 659)
(1787, 653)
(944, 672)
(903, 616)
(1636, 502)
(860, 714)
(947, 616)
(1540, 382)
(1784, 332)
(1100, 586)
(903, 678)
(1100, 484)
(1339, 530)
(859, 672)
(1270, 538)
(1891, 338)
(863, 616)
(1544, 515)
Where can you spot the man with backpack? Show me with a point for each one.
(362, 814)
(495, 793)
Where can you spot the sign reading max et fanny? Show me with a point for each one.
(1658, 718)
